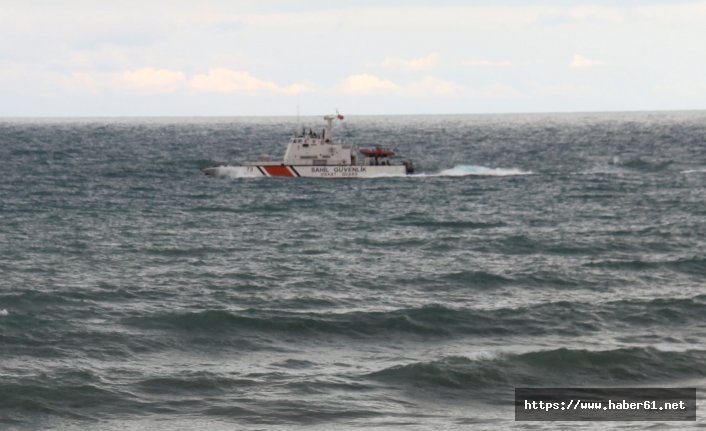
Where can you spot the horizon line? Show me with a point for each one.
(68, 117)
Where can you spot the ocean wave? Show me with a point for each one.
(477, 278)
(36, 335)
(430, 223)
(640, 164)
(198, 382)
(692, 266)
(86, 397)
(606, 169)
(660, 312)
(635, 165)
(419, 321)
(557, 318)
(558, 367)
(76, 394)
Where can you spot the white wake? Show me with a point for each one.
(474, 170)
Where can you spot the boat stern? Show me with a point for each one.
(408, 166)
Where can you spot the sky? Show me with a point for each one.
(242, 58)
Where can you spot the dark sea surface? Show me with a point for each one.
(529, 250)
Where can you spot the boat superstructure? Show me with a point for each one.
(310, 154)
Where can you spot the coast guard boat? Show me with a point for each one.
(318, 156)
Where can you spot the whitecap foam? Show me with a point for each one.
(474, 170)
(694, 171)
(4, 312)
(232, 172)
(463, 170)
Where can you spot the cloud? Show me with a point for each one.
(82, 82)
(681, 89)
(566, 90)
(367, 84)
(432, 86)
(422, 63)
(580, 61)
(583, 14)
(148, 80)
(683, 13)
(97, 50)
(105, 58)
(597, 13)
(495, 91)
(487, 63)
(221, 80)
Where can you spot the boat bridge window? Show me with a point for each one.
(305, 145)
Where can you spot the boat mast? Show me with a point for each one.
(329, 127)
(299, 125)
(328, 131)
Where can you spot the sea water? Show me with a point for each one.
(527, 250)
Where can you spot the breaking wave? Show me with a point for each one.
(694, 171)
(548, 367)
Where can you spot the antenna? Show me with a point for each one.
(299, 125)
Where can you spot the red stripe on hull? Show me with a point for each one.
(278, 171)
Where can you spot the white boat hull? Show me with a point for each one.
(308, 171)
